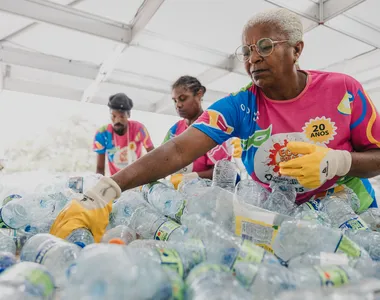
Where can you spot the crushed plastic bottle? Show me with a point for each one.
(133, 211)
(281, 199)
(7, 244)
(166, 200)
(372, 218)
(26, 280)
(177, 256)
(7, 260)
(251, 192)
(212, 281)
(341, 214)
(122, 274)
(120, 234)
(224, 175)
(297, 237)
(54, 253)
(81, 237)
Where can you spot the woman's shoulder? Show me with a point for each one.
(331, 78)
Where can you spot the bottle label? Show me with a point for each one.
(178, 288)
(179, 214)
(45, 249)
(42, 281)
(349, 247)
(165, 230)
(171, 259)
(332, 275)
(313, 204)
(2, 223)
(201, 269)
(249, 252)
(354, 224)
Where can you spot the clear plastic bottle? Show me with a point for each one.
(166, 200)
(26, 280)
(225, 174)
(54, 253)
(7, 244)
(22, 211)
(132, 210)
(7, 260)
(120, 234)
(297, 237)
(212, 281)
(341, 214)
(268, 281)
(81, 237)
(107, 271)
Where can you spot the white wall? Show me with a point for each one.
(54, 134)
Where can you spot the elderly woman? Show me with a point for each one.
(315, 130)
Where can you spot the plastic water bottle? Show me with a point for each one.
(297, 237)
(341, 214)
(369, 240)
(214, 204)
(191, 186)
(223, 247)
(7, 244)
(119, 235)
(224, 175)
(26, 280)
(166, 200)
(7, 260)
(267, 281)
(211, 281)
(251, 192)
(132, 210)
(122, 274)
(177, 256)
(372, 218)
(22, 211)
(54, 253)
(281, 199)
(81, 237)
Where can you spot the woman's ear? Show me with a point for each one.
(298, 48)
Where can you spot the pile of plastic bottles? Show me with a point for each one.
(163, 243)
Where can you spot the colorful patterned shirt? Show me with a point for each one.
(122, 150)
(332, 111)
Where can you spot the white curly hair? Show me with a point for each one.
(288, 23)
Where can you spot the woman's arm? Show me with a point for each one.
(165, 160)
(365, 164)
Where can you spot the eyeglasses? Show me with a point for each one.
(264, 47)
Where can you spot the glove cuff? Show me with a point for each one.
(105, 191)
(345, 161)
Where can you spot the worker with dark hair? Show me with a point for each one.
(187, 94)
(121, 141)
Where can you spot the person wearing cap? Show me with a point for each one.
(122, 140)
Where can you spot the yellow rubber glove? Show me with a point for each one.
(90, 212)
(238, 150)
(317, 165)
(176, 179)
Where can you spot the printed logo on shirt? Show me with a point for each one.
(344, 106)
(257, 139)
(271, 153)
(216, 120)
(320, 130)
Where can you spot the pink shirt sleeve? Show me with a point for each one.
(365, 120)
(218, 153)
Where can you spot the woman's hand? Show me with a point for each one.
(316, 165)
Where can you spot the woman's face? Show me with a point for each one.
(269, 70)
(187, 104)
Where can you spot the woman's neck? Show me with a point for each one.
(288, 88)
(192, 120)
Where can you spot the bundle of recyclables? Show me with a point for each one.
(204, 240)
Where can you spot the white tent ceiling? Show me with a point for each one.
(85, 50)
